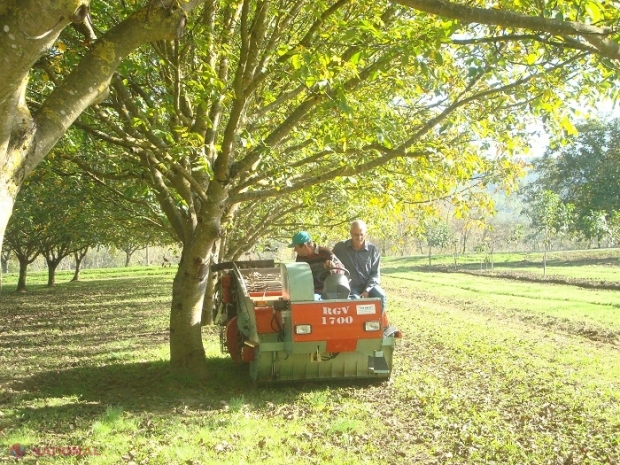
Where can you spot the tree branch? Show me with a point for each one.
(596, 36)
(92, 76)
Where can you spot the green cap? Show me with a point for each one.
(302, 237)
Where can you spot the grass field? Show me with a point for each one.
(594, 264)
(489, 370)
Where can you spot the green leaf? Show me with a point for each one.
(296, 61)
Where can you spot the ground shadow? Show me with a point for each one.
(142, 384)
(147, 387)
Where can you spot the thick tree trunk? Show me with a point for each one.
(187, 353)
(8, 192)
(51, 272)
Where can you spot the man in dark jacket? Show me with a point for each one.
(322, 260)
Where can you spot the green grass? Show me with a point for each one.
(489, 371)
(501, 391)
(586, 305)
(594, 264)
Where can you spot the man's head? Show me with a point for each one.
(358, 233)
(302, 243)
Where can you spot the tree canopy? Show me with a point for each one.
(585, 171)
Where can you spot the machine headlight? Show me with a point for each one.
(303, 329)
(372, 326)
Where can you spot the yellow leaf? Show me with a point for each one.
(568, 126)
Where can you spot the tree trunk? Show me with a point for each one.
(127, 258)
(76, 274)
(8, 192)
(209, 299)
(4, 263)
(23, 267)
(464, 249)
(51, 272)
(79, 256)
(187, 354)
(420, 247)
(456, 255)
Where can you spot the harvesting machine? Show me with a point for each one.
(269, 319)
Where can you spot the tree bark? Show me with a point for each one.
(79, 256)
(51, 272)
(209, 299)
(5, 266)
(23, 270)
(187, 355)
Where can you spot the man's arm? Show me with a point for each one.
(375, 272)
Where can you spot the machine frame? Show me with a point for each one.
(269, 319)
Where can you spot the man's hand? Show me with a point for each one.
(335, 268)
(364, 295)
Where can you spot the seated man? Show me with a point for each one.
(362, 260)
(322, 261)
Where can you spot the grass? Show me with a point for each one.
(498, 391)
(594, 264)
(600, 307)
(489, 371)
